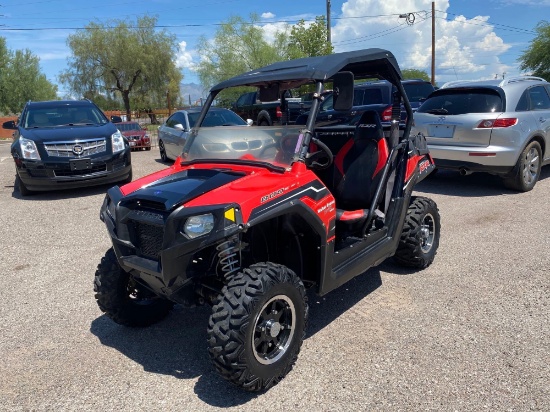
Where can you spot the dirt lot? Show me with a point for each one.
(469, 333)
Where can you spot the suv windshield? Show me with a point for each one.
(271, 144)
(217, 118)
(454, 102)
(127, 127)
(417, 92)
(62, 115)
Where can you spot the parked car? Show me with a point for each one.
(64, 144)
(268, 112)
(248, 217)
(497, 126)
(417, 91)
(175, 131)
(371, 95)
(306, 99)
(137, 136)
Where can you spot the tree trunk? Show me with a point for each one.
(126, 100)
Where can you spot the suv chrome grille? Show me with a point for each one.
(69, 149)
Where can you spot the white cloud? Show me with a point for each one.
(184, 59)
(268, 15)
(465, 48)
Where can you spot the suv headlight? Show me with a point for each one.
(28, 149)
(199, 225)
(117, 141)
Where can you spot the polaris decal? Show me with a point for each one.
(272, 195)
(326, 208)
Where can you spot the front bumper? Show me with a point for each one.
(149, 243)
(65, 174)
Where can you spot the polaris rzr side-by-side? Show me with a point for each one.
(248, 216)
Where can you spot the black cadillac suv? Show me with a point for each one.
(64, 144)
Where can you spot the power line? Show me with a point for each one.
(483, 23)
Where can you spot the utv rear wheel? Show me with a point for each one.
(527, 170)
(420, 236)
(122, 299)
(257, 326)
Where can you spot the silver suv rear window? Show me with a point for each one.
(454, 102)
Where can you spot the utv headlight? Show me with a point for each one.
(199, 225)
(28, 149)
(117, 142)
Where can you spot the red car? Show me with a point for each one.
(136, 135)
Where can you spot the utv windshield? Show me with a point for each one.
(268, 144)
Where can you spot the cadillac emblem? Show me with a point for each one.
(78, 149)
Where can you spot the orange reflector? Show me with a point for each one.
(482, 154)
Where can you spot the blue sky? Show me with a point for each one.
(474, 39)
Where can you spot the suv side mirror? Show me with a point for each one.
(9, 125)
(343, 91)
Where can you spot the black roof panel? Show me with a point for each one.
(292, 73)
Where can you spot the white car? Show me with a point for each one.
(497, 126)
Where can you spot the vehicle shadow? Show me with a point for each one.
(62, 194)
(448, 182)
(176, 346)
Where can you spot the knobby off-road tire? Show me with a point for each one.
(420, 236)
(527, 170)
(124, 301)
(257, 326)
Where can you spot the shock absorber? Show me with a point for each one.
(229, 255)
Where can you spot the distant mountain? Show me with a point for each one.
(192, 93)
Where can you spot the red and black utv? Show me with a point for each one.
(248, 216)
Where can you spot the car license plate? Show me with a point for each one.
(80, 164)
(441, 130)
(132, 143)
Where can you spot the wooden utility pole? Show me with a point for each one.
(433, 43)
(328, 22)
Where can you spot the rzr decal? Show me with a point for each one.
(272, 195)
(316, 190)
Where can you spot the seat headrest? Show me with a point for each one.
(369, 127)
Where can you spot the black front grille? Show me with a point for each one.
(94, 169)
(149, 239)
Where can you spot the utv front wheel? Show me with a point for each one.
(257, 326)
(420, 236)
(122, 299)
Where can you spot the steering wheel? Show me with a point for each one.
(285, 147)
(321, 159)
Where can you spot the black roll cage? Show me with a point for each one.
(364, 64)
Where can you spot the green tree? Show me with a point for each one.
(537, 56)
(238, 46)
(415, 74)
(21, 79)
(309, 41)
(131, 59)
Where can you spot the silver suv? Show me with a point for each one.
(497, 126)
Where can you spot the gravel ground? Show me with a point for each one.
(469, 333)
